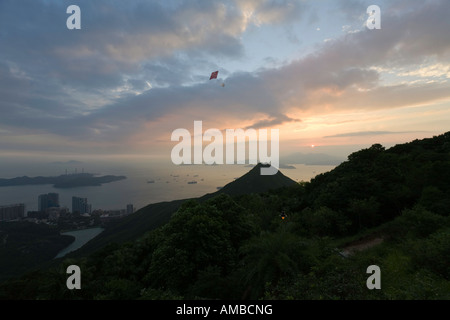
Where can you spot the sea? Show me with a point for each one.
(81, 238)
(148, 181)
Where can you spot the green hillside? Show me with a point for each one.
(25, 244)
(158, 214)
(308, 241)
(131, 227)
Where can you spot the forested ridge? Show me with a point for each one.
(240, 247)
(24, 244)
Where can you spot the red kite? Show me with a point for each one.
(214, 75)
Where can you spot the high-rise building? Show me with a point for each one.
(12, 212)
(130, 208)
(80, 205)
(42, 202)
(49, 200)
(53, 200)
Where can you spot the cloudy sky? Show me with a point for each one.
(137, 70)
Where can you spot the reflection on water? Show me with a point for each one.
(81, 238)
(169, 182)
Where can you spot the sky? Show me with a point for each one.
(138, 70)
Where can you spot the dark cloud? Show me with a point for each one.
(93, 84)
(115, 39)
(28, 104)
(272, 122)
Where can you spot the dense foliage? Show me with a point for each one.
(240, 248)
(25, 244)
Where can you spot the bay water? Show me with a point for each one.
(147, 181)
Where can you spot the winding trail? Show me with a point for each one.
(360, 245)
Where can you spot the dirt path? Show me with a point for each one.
(360, 245)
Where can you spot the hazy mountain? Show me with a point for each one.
(67, 163)
(254, 182)
(62, 181)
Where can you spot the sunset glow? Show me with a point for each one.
(315, 72)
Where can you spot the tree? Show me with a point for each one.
(196, 237)
(364, 212)
(270, 257)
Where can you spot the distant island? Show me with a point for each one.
(67, 163)
(62, 181)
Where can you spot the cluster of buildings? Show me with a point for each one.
(49, 206)
(12, 212)
(107, 215)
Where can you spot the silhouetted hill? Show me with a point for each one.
(254, 182)
(394, 178)
(157, 214)
(312, 159)
(384, 207)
